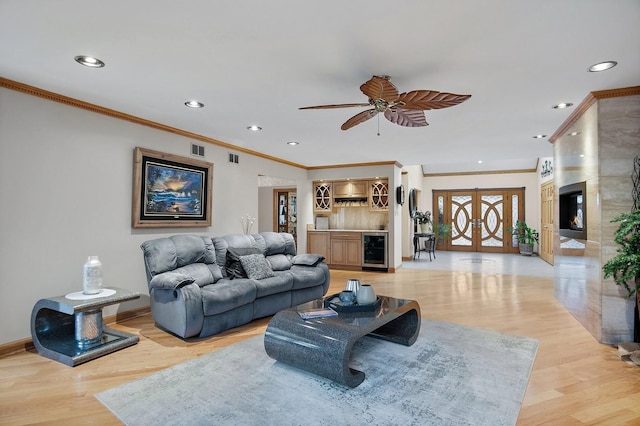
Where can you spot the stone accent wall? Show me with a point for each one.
(601, 154)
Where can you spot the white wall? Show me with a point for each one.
(65, 194)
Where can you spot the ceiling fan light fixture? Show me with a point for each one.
(254, 128)
(194, 104)
(562, 105)
(89, 61)
(602, 66)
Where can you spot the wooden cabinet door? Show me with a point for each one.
(379, 195)
(359, 189)
(338, 252)
(318, 243)
(341, 189)
(322, 197)
(350, 189)
(346, 249)
(353, 248)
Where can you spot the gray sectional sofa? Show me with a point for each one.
(200, 286)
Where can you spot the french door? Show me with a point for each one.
(479, 218)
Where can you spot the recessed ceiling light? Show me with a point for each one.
(293, 143)
(194, 104)
(89, 61)
(539, 136)
(562, 105)
(581, 155)
(602, 66)
(573, 133)
(254, 128)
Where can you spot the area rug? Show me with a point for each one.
(452, 375)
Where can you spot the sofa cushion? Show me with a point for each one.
(167, 254)
(233, 265)
(281, 282)
(278, 243)
(307, 259)
(201, 273)
(305, 276)
(227, 294)
(280, 262)
(256, 266)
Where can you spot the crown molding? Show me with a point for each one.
(55, 97)
(339, 166)
(488, 172)
(589, 100)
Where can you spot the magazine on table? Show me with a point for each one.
(317, 313)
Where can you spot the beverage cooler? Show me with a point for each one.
(374, 250)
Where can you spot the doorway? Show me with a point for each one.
(479, 218)
(285, 218)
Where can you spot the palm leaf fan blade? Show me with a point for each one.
(361, 117)
(334, 106)
(430, 99)
(380, 88)
(406, 118)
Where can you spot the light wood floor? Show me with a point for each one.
(575, 380)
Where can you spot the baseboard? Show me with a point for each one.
(16, 346)
(26, 344)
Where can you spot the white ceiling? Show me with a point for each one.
(255, 61)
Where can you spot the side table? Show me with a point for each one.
(71, 330)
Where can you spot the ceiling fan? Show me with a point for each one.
(404, 109)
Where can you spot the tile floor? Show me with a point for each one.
(484, 263)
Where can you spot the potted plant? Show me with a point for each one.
(625, 266)
(527, 237)
(423, 219)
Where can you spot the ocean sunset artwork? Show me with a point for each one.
(173, 190)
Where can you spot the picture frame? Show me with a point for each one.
(170, 190)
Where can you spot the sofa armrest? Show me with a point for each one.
(178, 310)
(170, 281)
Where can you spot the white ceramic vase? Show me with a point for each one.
(366, 295)
(92, 276)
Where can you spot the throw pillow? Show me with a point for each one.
(279, 262)
(256, 266)
(307, 259)
(233, 267)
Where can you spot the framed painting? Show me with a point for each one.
(170, 191)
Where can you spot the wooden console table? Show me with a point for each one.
(70, 330)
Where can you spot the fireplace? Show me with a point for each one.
(572, 222)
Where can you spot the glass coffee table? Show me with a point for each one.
(323, 345)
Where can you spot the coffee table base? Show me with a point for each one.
(323, 346)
